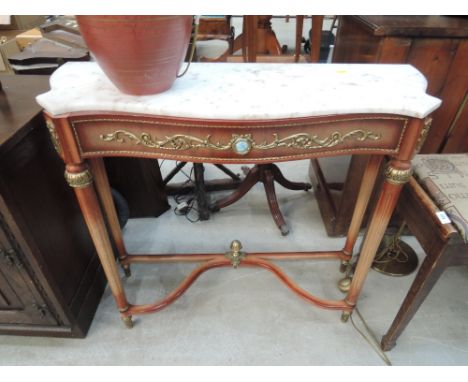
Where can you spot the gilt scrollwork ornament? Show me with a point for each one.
(79, 179)
(54, 136)
(241, 144)
(424, 133)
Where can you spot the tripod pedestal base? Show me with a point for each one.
(395, 257)
(267, 174)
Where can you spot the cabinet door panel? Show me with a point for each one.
(20, 300)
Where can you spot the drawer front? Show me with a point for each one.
(237, 142)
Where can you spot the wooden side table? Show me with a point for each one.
(239, 113)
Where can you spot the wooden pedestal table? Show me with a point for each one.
(239, 113)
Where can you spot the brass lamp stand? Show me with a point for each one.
(394, 258)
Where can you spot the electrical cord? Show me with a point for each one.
(371, 338)
(196, 21)
(189, 210)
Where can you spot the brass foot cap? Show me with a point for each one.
(127, 320)
(345, 316)
(344, 266)
(127, 271)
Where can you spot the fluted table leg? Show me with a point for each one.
(103, 189)
(365, 191)
(79, 177)
(397, 173)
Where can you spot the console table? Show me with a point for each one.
(239, 113)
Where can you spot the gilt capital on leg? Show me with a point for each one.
(78, 179)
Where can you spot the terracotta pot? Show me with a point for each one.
(140, 54)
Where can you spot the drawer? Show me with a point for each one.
(237, 142)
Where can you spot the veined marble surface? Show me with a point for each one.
(252, 91)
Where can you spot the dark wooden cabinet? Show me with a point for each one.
(21, 300)
(140, 182)
(51, 280)
(435, 45)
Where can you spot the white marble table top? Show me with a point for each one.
(233, 91)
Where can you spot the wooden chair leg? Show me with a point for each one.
(315, 40)
(269, 184)
(250, 38)
(326, 203)
(299, 28)
(430, 271)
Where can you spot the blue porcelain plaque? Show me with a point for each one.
(242, 146)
